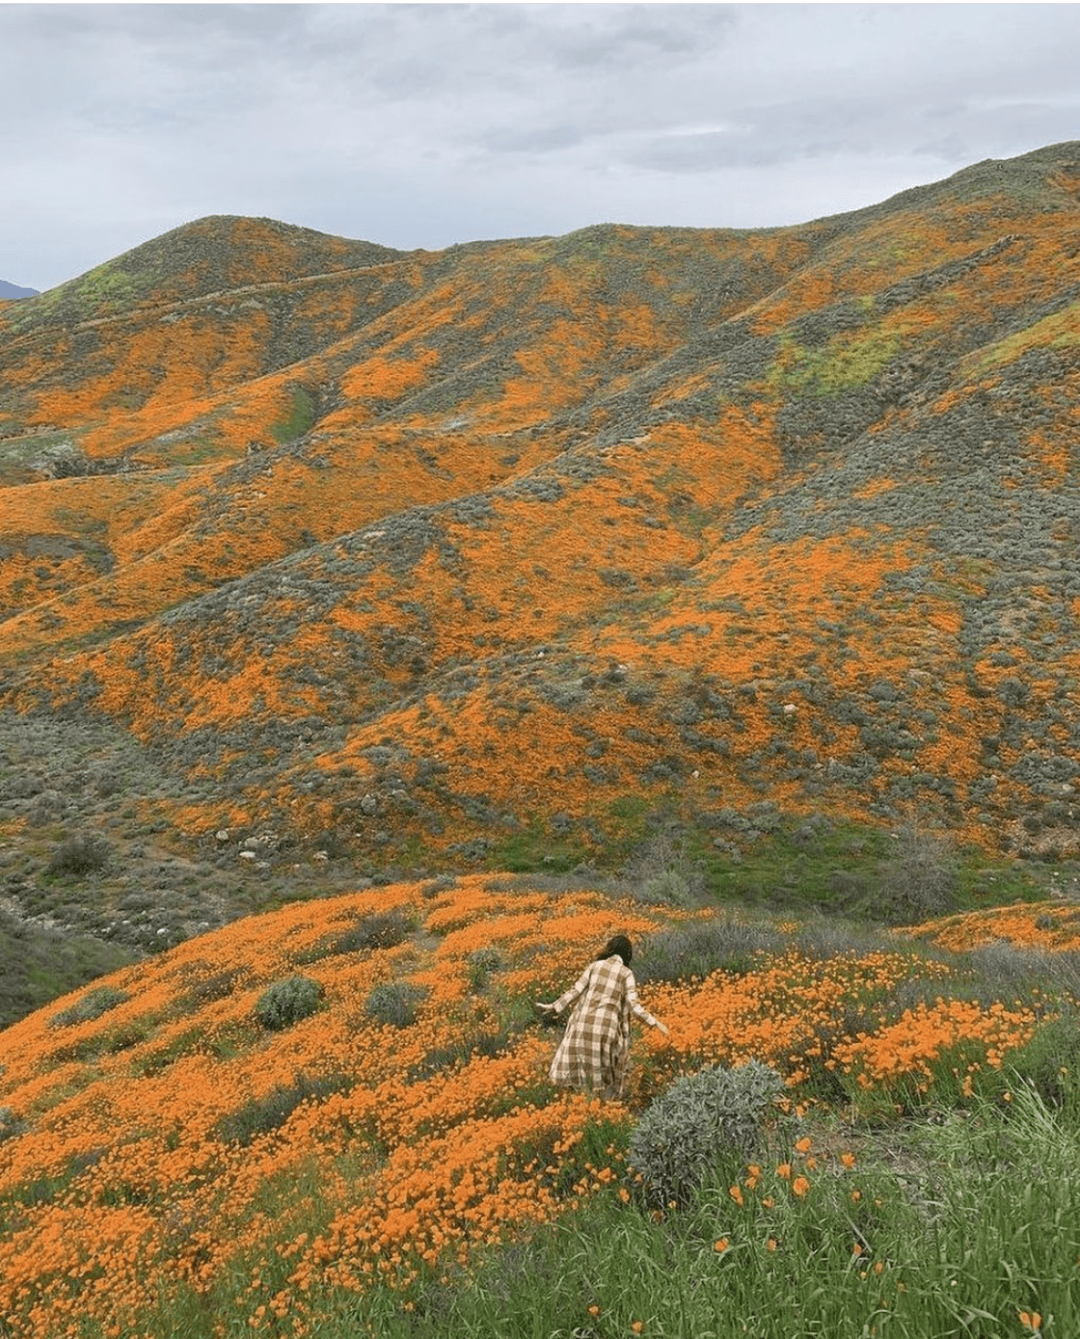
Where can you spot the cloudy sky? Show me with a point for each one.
(423, 125)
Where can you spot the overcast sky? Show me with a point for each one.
(423, 125)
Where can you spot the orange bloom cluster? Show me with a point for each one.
(923, 1035)
(785, 1013)
(1051, 926)
(123, 1177)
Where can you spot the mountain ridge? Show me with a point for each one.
(493, 546)
(10, 292)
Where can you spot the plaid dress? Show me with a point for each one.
(596, 1044)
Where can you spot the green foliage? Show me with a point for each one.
(536, 847)
(11, 1125)
(207, 989)
(446, 1057)
(1048, 1065)
(670, 887)
(482, 962)
(104, 289)
(381, 929)
(79, 855)
(395, 1002)
(700, 1120)
(263, 1115)
(920, 880)
(287, 1002)
(301, 418)
(92, 1005)
(699, 948)
(846, 361)
(40, 964)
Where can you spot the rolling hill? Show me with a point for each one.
(484, 557)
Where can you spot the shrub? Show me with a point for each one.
(920, 882)
(698, 948)
(395, 1002)
(699, 1120)
(287, 1002)
(382, 929)
(206, 990)
(92, 1005)
(482, 962)
(669, 888)
(85, 853)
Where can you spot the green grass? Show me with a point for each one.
(794, 863)
(847, 361)
(38, 965)
(843, 867)
(300, 420)
(948, 1226)
(536, 847)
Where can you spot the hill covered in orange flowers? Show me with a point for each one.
(458, 558)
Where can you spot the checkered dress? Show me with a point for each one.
(595, 1048)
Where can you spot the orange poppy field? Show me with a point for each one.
(175, 1144)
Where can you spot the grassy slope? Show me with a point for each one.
(171, 1167)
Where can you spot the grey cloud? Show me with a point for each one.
(425, 124)
(532, 139)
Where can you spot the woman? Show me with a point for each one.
(596, 1045)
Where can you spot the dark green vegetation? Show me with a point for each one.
(38, 963)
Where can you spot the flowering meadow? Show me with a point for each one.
(177, 1158)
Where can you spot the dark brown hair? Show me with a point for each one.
(618, 944)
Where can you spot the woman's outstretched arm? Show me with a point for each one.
(568, 996)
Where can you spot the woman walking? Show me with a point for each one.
(595, 1048)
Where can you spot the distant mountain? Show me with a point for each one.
(487, 553)
(8, 291)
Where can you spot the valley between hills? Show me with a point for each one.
(324, 565)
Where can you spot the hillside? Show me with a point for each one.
(489, 556)
(335, 1120)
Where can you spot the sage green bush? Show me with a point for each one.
(482, 963)
(699, 1121)
(394, 1002)
(287, 1002)
(84, 853)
